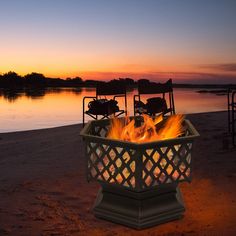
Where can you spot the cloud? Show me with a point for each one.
(226, 67)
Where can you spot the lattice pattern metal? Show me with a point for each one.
(137, 166)
(166, 164)
(111, 164)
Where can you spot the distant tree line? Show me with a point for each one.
(12, 80)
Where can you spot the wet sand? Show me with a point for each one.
(43, 188)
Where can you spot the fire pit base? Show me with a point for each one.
(139, 209)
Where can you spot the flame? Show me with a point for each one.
(150, 129)
(147, 131)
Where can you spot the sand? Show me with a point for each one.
(43, 189)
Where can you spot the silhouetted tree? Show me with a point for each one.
(129, 81)
(78, 79)
(143, 82)
(75, 82)
(12, 80)
(1, 80)
(90, 83)
(35, 80)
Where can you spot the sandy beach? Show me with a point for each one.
(43, 187)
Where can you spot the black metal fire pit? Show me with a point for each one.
(139, 182)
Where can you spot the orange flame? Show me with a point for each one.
(147, 132)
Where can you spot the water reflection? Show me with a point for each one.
(11, 95)
(34, 109)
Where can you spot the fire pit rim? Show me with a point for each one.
(84, 133)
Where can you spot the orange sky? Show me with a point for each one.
(191, 40)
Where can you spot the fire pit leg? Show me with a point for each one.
(139, 209)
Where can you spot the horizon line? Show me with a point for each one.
(180, 77)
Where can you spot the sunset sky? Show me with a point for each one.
(187, 40)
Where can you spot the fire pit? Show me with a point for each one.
(139, 181)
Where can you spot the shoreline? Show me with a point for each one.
(79, 124)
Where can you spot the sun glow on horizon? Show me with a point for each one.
(135, 39)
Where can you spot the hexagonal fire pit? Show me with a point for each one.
(139, 182)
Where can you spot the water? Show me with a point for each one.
(51, 108)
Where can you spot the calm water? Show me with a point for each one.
(26, 111)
